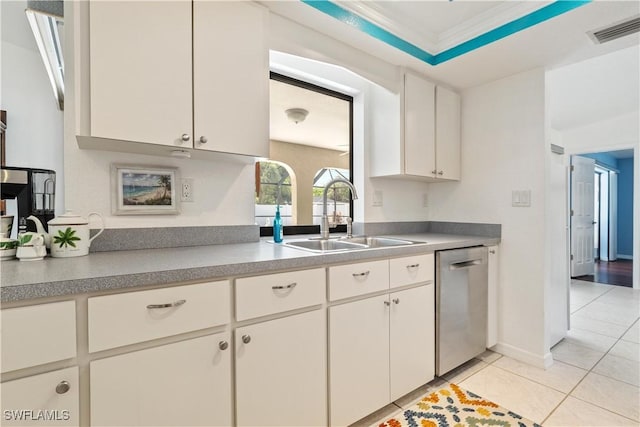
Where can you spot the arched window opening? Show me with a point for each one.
(274, 186)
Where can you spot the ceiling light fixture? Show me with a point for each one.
(297, 115)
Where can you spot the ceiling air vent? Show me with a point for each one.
(615, 31)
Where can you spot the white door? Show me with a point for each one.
(582, 223)
(187, 383)
(359, 359)
(50, 399)
(281, 375)
(412, 320)
(419, 126)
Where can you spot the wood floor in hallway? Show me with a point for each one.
(618, 272)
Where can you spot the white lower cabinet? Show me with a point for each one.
(380, 348)
(281, 372)
(492, 296)
(358, 359)
(412, 339)
(187, 383)
(50, 399)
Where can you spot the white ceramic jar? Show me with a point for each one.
(70, 234)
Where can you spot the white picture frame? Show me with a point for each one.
(144, 190)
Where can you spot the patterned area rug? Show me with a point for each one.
(455, 407)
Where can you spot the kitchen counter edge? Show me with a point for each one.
(124, 270)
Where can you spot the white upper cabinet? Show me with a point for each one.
(447, 149)
(419, 126)
(141, 71)
(429, 144)
(180, 74)
(231, 77)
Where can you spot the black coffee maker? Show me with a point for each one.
(34, 191)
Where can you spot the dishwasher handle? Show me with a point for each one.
(464, 264)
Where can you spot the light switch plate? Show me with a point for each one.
(377, 198)
(521, 198)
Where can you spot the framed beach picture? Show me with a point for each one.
(144, 190)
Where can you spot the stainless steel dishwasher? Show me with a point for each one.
(461, 306)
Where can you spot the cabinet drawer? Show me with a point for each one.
(409, 270)
(38, 334)
(275, 293)
(117, 320)
(358, 279)
(56, 394)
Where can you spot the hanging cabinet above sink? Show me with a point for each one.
(183, 75)
(429, 144)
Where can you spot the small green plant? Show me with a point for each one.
(66, 238)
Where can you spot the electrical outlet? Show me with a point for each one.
(187, 190)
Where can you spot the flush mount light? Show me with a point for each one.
(181, 154)
(297, 115)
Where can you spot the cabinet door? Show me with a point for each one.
(412, 339)
(359, 359)
(492, 297)
(183, 384)
(49, 399)
(419, 126)
(281, 373)
(140, 70)
(231, 77)
(447, 134)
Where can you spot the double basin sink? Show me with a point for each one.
(348, 243)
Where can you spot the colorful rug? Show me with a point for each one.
(455, 407)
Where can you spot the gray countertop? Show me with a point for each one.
(104, 271)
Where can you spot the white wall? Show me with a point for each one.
(503, 142)
(34, 134)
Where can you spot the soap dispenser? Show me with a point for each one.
(277, 227)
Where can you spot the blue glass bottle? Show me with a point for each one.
(277, 227)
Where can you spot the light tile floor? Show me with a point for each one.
(594, 380)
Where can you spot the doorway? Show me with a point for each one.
(611, 214)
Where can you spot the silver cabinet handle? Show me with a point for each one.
(363, 274)
(396, 300)
(413, 266)
(203, 140)
(63, 387)
(387, 303)
(492, 251)
(434, 171)
(223, 345)
(186, 137)
(441, 173)
(464, 264)
(246, 339)
(167, 305)
(289, 286)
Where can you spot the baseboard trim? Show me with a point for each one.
(524, 356)
(621, 256)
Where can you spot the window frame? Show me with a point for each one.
(266, 231)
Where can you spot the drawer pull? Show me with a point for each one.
(63, 387)
(168, 305)
(223, 345)
(246, 339)
(289, 286)
(396, 300)
(387, 303)
(413, 266)
(363, 274)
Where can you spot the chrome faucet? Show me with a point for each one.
(324, 225)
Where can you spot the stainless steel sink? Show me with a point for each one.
(379, 242)
(348, 244)
(323, 245)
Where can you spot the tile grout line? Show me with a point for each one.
(591, 371)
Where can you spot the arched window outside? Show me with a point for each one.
(273, 187)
